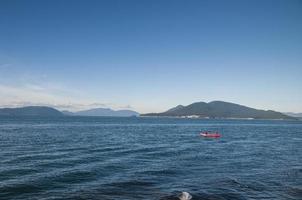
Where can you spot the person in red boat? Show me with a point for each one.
(209, 134)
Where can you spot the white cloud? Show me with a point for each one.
(48, 95)
(126, 107)
(19, 95)
(20, 88)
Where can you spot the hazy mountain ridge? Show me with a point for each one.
(106, 112)
(299, 115)
(30, 111)
(49, 111)
(220, 109)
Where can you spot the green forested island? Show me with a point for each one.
(219, 109)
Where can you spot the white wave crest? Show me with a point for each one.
(185, 196)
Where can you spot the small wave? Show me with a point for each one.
(185, 196)
(178, 196)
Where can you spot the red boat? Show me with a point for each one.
(210, 134)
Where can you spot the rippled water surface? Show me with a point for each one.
(149, 158)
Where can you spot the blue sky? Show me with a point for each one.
(151, 55)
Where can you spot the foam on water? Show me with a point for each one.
(185, 196)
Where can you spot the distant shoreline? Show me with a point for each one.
(218, 118)
(155, 117)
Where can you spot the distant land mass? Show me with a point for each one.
(219, 109)
(48, 111)
(30, 111)
(299, 115)
(214, 109)
(106, 112)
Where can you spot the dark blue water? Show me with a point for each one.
(148, 158)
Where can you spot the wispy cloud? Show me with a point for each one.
(28, 95)
(67, 106)
(41, 95)
(126, 107)
(20, 88)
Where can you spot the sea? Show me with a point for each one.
(108, 158)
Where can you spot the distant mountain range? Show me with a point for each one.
(220, 109)
(30, 111)
(214, 109)
(103, 112)
(48, 111)
(299, 115)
